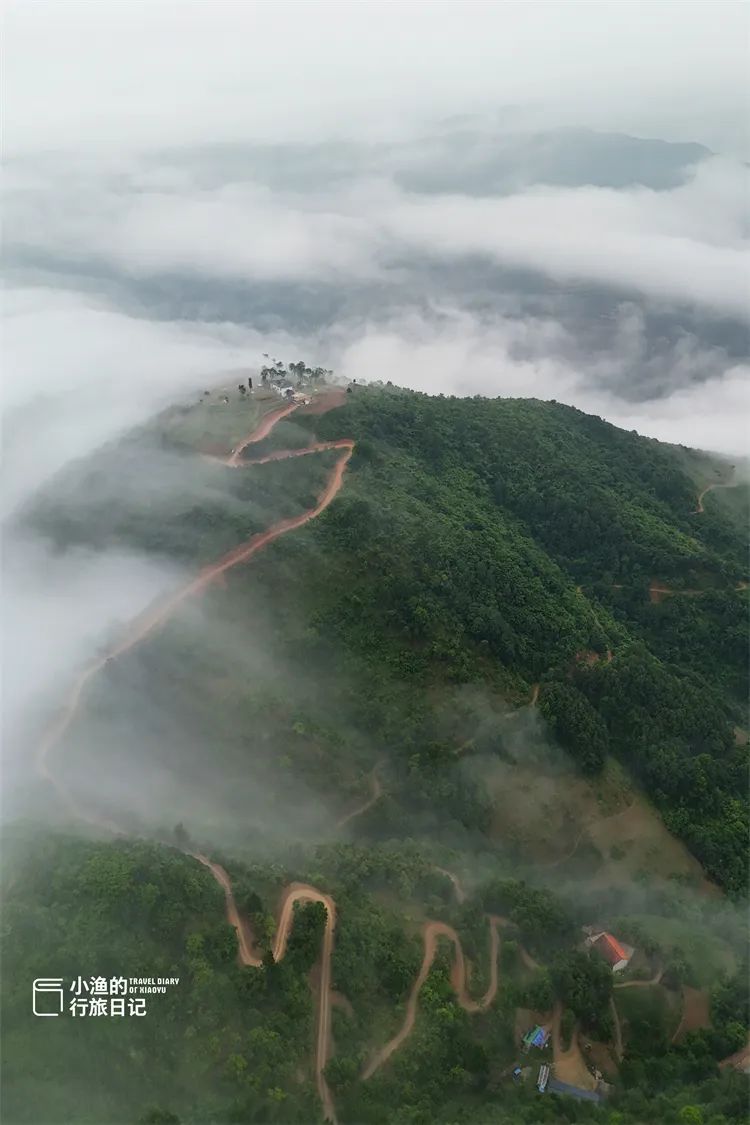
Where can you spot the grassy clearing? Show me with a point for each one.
(603, 831)
(544, 809)
(635, 845)
(652, 1012)
(214, 426)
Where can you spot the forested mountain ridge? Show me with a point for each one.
(523, 533)
(349, 708)
(506, 541)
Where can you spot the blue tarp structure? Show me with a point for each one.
(537, 1037)
(555, 1086)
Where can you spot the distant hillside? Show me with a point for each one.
(472, 155)
(482, 164)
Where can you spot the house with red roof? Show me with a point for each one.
(616, 953)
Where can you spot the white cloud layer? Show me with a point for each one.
(462, 356)
(78, 374)
(683, 245)
(687, 245)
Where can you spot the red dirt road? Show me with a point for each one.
(657, 593)
(154, 618)
(655, 979)
(431, 932)
(285, 454)
(301, 892)
(699, 509)
(295, 892)
(325, 401)
(740, 1060)
(619, 1049)
(377, 793)
(138, 631)
(267, 423)
(245, 947)
(458, 889)
(141, 628)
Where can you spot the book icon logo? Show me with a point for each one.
(47, 996)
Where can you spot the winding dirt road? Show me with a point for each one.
(571, 852)
(533, 698)
(655, 979)
(295, 892)
(458, 889)
(261, 431)
(377, 793)
(431, 933)
(302, 892)
(245, 944)
(740, 1060)
(619, 1049)
(141, 628)
(699, 509)
(657, 593)
(153, 619)
(147, 623)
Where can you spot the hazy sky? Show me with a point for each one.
(114, 73)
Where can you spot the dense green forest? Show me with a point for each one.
(234, 1044)
(461, 649)
(518, 534)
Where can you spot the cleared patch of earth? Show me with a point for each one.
(600, 1056)
(696, 1012)
(570, 1066)
(325, 400)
